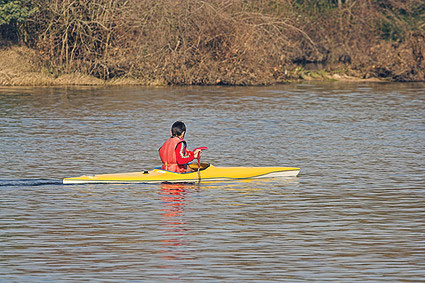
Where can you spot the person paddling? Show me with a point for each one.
(174, 154)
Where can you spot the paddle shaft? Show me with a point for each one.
(199, 160)
(199, 166)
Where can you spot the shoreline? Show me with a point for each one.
(35, 79)
(18, 69)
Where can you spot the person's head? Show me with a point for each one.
(178, 129)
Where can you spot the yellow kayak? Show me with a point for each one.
(207, 172)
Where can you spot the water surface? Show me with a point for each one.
(355, 214)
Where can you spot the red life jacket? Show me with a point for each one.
(167, 152)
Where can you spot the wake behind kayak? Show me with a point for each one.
(28, 182)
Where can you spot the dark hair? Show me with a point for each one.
(178, 128)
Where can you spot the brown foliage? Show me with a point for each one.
(350, 37)
(403, 61)
(208, 43)
(76, 34)
(221, 42)
(17, 68)
(176, 42)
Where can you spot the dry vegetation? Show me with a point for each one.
(222, 42)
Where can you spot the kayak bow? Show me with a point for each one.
(208, 173)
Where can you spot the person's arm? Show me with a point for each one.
(183, 156)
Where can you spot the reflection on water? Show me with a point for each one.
(355, 214)
(173, 223)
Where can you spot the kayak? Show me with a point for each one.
(206, 173)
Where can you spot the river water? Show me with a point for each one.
(356, 213)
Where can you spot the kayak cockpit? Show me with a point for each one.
(203, 166)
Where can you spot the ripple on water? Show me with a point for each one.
(354, 214)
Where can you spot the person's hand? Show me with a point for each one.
(197, 153)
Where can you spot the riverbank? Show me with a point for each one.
(19, 67)
(193, 42)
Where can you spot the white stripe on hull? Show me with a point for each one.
(292, 173)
